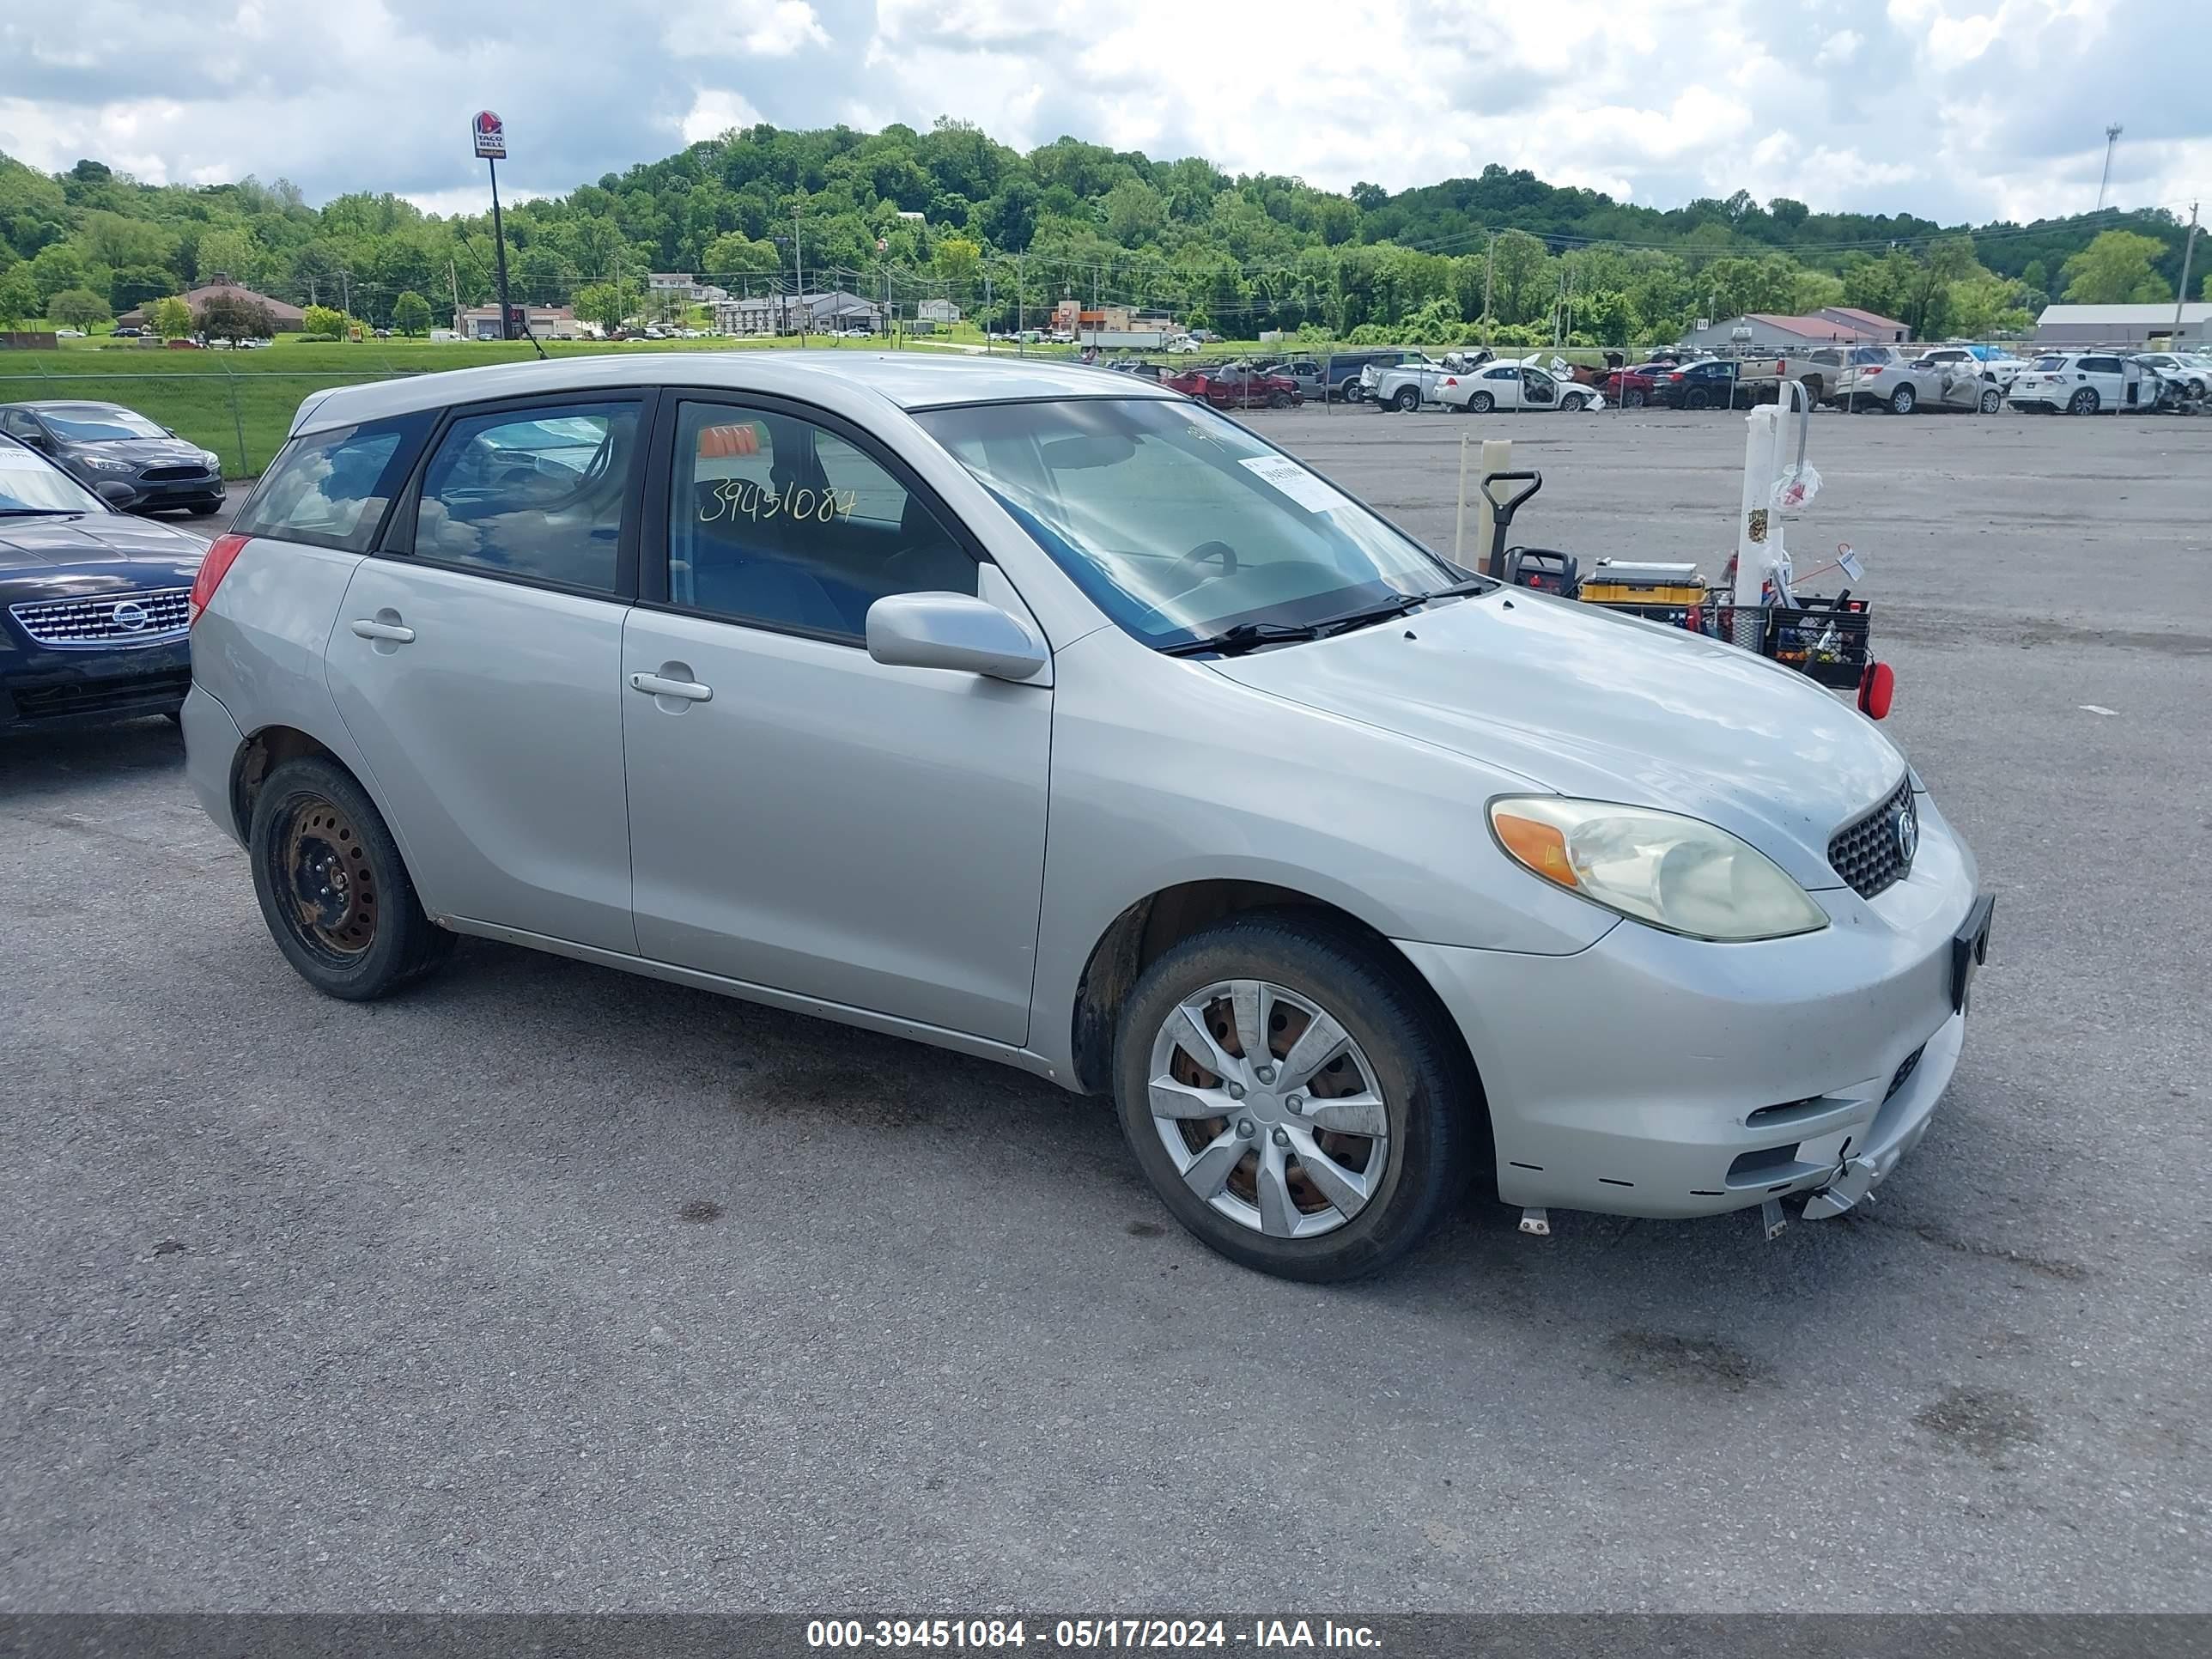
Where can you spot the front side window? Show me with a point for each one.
(333, 487)
(536, 493)
(776, 521)
(1179, 523)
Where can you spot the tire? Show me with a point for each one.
(2083, 402)
(1631, 399)
(1480, 403)
(1573, 401)
(1696, 398)
(1992, 401)
(1400, 1046)
(1349, 391)
(1812, 385)
(1901, 401)
(1278, 400)
(1408, 400)
(202, 509)
(367, 936)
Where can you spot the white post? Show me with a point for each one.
(1758, 525)
(1459, 514)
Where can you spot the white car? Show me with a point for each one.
(2086, 383)
(69, 334)
(1521, 386)
(1183, 345)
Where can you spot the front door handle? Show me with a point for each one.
(657, 685)
(368, 629)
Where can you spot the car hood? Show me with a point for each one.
(111, 542)
(1607, 707)
(142, 452)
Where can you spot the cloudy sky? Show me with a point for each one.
(1957, 109)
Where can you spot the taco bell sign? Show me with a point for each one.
(491, 135)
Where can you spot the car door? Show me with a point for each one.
(475, 660)
(2106, 376)
(803, 816)
(1539, 390)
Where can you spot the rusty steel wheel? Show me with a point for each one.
(323, 870)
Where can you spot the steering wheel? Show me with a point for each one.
(1189, 566)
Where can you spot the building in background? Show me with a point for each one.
(2063, 326)
(546, 322)
(290, 319)
(1761, 330)
(822, 313)
(937, 310)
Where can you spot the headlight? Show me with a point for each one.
(101, 464)
(210, 460)
(1674, 873)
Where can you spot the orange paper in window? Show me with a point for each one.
(718, 442)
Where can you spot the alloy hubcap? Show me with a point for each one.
(1268, 1108)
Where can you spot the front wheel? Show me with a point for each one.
(2083, 402)
(1572, 401)
(337, 899)
(1631, 399)
(1406, 401)
(1278, 400)
(1294, 1099)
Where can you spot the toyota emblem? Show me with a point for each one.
(1904, 826)
(129, 615)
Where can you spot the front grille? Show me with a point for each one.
(160, 614)
(170, 474)
(1865, 852)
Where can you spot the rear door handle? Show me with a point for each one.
(383, 630)
(654, 685)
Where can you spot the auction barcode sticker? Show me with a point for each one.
(1315, 494)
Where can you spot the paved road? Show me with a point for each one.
(555, 1288)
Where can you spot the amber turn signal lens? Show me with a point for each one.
(1542, 846)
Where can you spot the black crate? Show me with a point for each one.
(1827, 640)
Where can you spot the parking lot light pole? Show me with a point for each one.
(2181, 294)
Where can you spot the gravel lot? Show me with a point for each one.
(552, 1288)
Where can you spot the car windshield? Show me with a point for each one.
(28, 483)
(96, 423)
(1177, 522)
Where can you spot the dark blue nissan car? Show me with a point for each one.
(94, 605)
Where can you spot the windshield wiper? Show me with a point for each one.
(1250, 636)
(40, 512)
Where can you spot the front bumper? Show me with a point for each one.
(1653, 1075)
(48, 689)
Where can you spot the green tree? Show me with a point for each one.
(1135, 214)
(411, 314)
(78, 307)
(1521, 284)
(325, 319)
(958, 259)
(18, 299)
(57, 267)
(607, 304)
(227, 314)
(171, 318)
(736, 254)
(2116, 270)
(137, 285)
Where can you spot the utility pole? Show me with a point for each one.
(988, 313)
(453, 281)
(1021, 299)
(2181, 299)
(345, 292)
(2111, 142)
(798, 273)
(1489, 269)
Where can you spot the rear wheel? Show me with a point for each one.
(1901, 401)
(1992, 401)
(2083, 402)
(1696, 398)
(1349, 391)
(1408, 400)
(1481, 403)
(337, 897)
(1292, 1096)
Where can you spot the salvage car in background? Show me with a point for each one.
(1902, 385)
(1707, 383)
(1406, 385)
(1070, 625)
(2086, 383)
(93, 602)
(2188, 375)
(1236, 385)
(1519, 387)
(100, 443)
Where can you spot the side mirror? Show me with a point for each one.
(114, 492)
(957, 631)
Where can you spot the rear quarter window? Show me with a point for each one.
(332, 488)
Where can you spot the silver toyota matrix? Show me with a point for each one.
(1047, 715)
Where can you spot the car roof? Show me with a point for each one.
(903, 379)
(51, 405)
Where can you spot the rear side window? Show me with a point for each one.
(331, 488)
(535, 493)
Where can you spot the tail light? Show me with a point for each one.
(1871, 370)
(213, 567)
(1673, 379)
(1451, 380)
